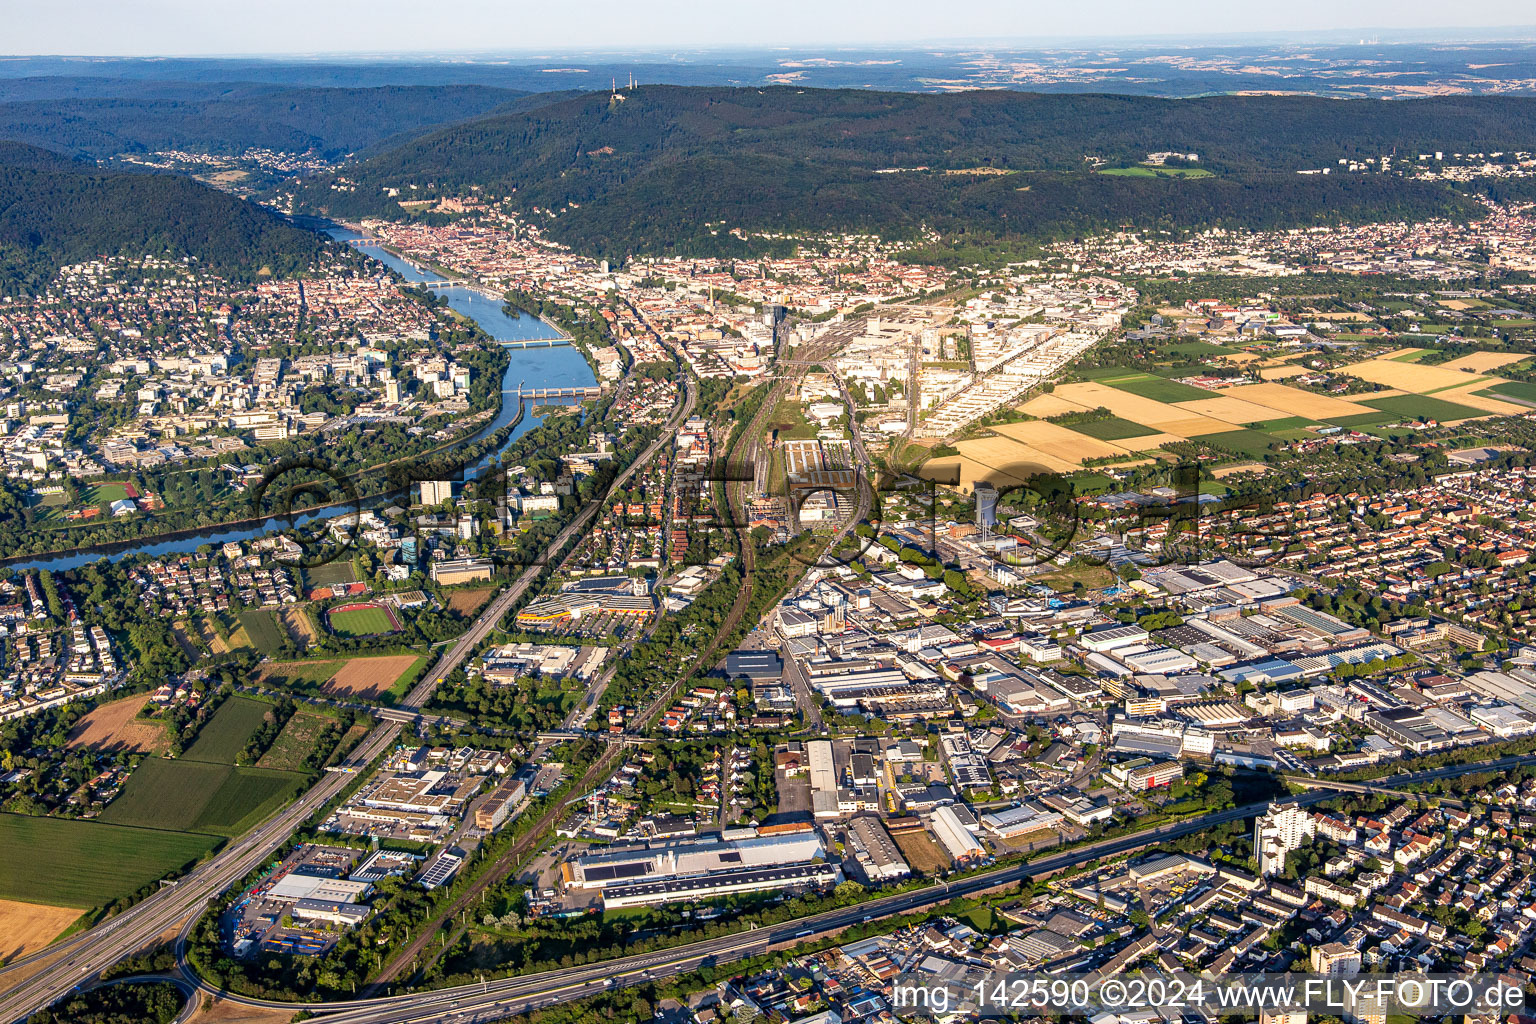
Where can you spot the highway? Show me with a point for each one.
(90, 952)
(494, 999)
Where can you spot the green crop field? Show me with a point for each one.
(246, 796)
(228, 731)
(296, 741)
(1422, 406)
(368, 621)
(1288, 423)
(86, 863)
(1253, 443)
(1155, 388)
(266, 634)
(1112, 429)
(194, 796)
(1515, 390)
(1363, 421)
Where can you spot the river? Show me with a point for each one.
(558, 367)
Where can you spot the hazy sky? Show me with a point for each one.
(156, 27)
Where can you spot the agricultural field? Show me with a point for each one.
(1484, 362)
(1112, 429)
(1459, 387)
(1514, 390)
(265, 634)
(1155, 388)
(375, 677)
(467, 602)
(83, 864)
(1423, 407)
(300, 626)
(1246, 418)
(115, 727)
(362, 620)
(1247, 442)
(296, 742)
(228, 731)
(370, 678)
(200, 797)
(28, 927)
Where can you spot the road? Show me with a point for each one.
(92, 951)
(105, 944)
(516, 995)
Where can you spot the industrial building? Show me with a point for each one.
(741, 860)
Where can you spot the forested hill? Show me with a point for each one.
(54, 211)
(96, 119)
(647, 171)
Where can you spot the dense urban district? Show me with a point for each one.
(419, 614)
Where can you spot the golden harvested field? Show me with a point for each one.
(299, 626)
(1283, 372)
(28, 927)
(369, 677)
(1420, 380)
(1146, 411)
(1147, 442)
(1482, 362)
(467, 602)
(1057, 440)
(961, 471)
(1242, 467)
(1464, 396)
(1233, 410)
(1009, 459)
(1242, 358)
(221, 1011)
(114, 727)
(1044, 406)
(1288, 401)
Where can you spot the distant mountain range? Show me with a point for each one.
(55, 211)
(662, 168)
(103, 118)
(1399, 65)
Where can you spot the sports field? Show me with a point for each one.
(330, 574)
(362, 619)
(228, 731)
(197, 796)
(73, 863)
